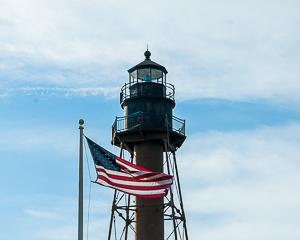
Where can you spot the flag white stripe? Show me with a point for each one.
(125, 174)
(132, 191)
(159, 175)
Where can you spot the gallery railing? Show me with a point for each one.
(146, 121)
(147, 89)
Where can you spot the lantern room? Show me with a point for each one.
(147, 71)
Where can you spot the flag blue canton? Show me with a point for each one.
(102, 157)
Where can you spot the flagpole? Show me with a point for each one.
(80, 182)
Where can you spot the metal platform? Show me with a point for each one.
(146, 127)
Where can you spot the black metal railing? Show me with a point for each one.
(139, 88)
(146, 121)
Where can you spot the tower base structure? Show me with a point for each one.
(128, 212)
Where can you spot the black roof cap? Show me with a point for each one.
(148, 63)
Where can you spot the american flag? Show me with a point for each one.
(117, 173)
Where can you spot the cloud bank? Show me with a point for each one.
(243, 185)
(233, 50)
(236, 185)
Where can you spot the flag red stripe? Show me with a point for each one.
(142, 178)
(131, 165)
(150, 195)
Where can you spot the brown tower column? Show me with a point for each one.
(149, 212)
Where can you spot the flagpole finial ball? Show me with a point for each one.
(81, 122)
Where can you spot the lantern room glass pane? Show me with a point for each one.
(156, 74)
(146, 74)
(134, 74)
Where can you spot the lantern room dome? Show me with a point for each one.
(148, 70)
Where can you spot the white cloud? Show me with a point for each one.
(35, 139)
(80, 91)
(243, 185)
(232, 50)
(64, 232)
(48, 221)
(43, 214)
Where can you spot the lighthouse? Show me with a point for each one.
(149, 131)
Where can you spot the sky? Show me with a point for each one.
(235, 67)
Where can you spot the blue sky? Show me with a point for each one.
(235, 69)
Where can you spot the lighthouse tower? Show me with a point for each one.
(150, 132)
